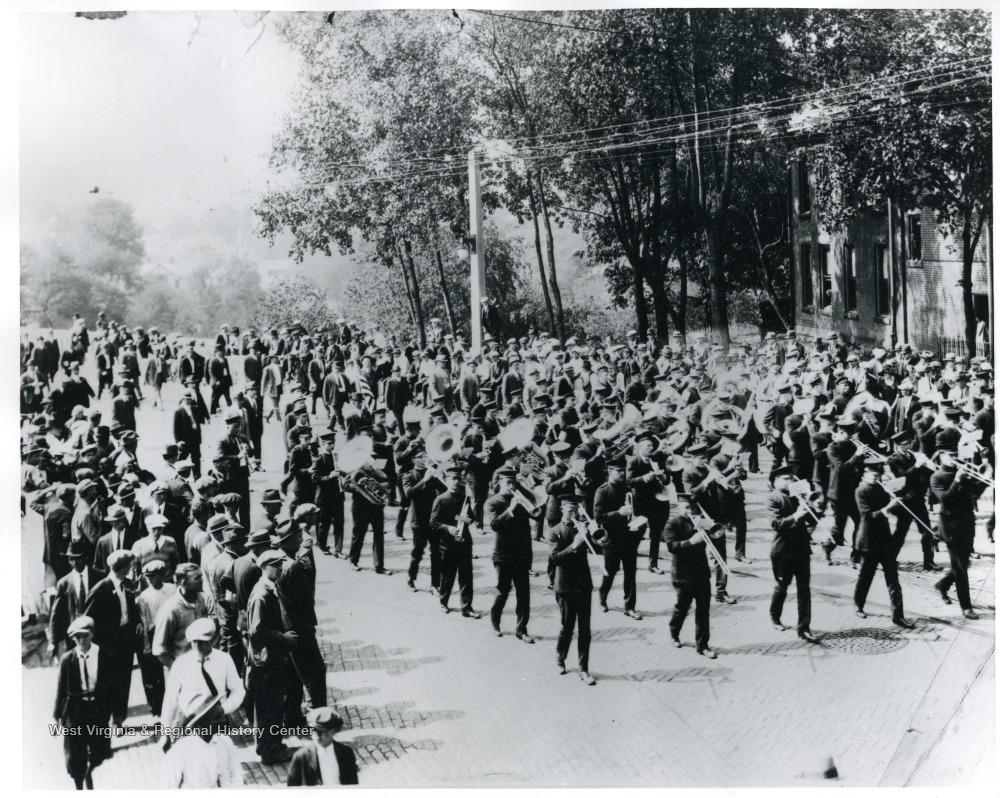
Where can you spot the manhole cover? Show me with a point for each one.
(864, 641)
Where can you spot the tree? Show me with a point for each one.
(922, 141)
(296, 300)
(109, 242)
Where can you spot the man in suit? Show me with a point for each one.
(451, 519)
(123, 408)
(329, 495)
(957, 493)
(115, 540)
(187, 429)
(645, 485)
(846, 461)
(253, 369)
(875, 543)
(420, 488)
(323, 761)
(397, 396)
(622, 548)
(903, 464)
(365, 514)
(71, 595)
(573, 586)
(511, 553)
(690, 575)
(336, 391)
(774, 422)
(219, 379)
(790, 554)
(57, 516)
(271, 387)
(116, 630)
(83, 703)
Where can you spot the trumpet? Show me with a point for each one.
(638, 521)
(520, 500)
(868, 451)
(463, 525)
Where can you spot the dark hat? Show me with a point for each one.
(572, 498)
(874, 464)
(618, 463)
(506, 473)
(456, 470)
(285, 529)
(846, 422)
(271, 496)
(560, 447)
(259, 537)
(645, 435)
(698, 447)
(77, 549)
(902, 437)
(324, 719)
(216, 524)
(328, 437)
(170, 450)
(784, 471)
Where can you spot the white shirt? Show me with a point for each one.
(194, 764)
(186, 687)
(120, 592)
(88, 679)
(329, 768)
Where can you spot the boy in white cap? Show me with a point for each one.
(149, 602)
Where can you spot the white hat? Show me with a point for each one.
(202, 629)
(156, 521)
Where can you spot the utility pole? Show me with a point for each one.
(477, 271)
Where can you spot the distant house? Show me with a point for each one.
(843, 278)
(160, 273)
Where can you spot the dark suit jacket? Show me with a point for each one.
(644, 491)
(70, 690)
(67, 607)
(104, 547)
(958, 506)
(186, 429)
(397, 395)
(572, 568)
(103, 606)
(303, 771)
(689, 563)
(791, 537)
(874, 533)
(846, 462)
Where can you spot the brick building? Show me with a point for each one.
(843, 278)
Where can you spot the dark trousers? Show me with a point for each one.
(721, 580)
(515, 573)
(927, 540)
(86, 750)
(739, 522)
(310, 668)
(120, 664)
(624, 558)
(404, 508)
(457, 562)
(574, 610)
(423, 537)
(363, 517)
(957, 575)
(870, 561)
(153, 681)
(700, 593)
(842, 510)
(331, 513)
(785, 569)
(266, 687)
(218, 391)
(780, 452)
(293, 693)
(657, 521)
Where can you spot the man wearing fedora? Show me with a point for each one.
(82, 704)
(111, 605)
(115, 540)
(323, 761)
(203, 757)
(71, 595)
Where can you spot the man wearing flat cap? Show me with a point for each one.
(83, 703)
(148, 603)
(323, 761)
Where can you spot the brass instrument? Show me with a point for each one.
(808, 498)
(442, 442)
(464, 513)
(667, 492)
(638, 521)
(518, 434)
(630, 418)
(868, 451)
(353, 457)
(976, 473)
(893, 487)
(710, 531)
(521, 500)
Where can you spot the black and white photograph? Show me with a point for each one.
(519, 396)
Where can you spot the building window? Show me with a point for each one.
(850, 280)
(825, 279)
(805, 196)
(882, 294)
(805, 275)
(913, 236)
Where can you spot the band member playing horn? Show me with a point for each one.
(875, 543)
(613, 512)
(903, 464)
(710, 490)
(790, 553)
(452, 518)
(569, 545)
(846, 461)
(774, 420)
(369, 488)
(507, 514)
(689, 574)
(646, 477)
(421, 486)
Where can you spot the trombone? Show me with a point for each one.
(802, 490)
(709, 532)
(976, 473)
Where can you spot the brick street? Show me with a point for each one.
(430, 699)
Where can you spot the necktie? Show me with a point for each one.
(83, 590)
(156, 547)
(86, 675)
(208, 680)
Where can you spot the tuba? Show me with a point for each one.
(518, 434)
(352, 458)
(442, 442)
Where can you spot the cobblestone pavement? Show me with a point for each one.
(430, 699)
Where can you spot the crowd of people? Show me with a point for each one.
(600, 448)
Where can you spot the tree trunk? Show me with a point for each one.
(550, 251)
(718, 301)
(406, 284)
(538, 253)
(415, 288)
(683, 302)
(661, 311)
(639, 296)
(444, 293)
(970, 240)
